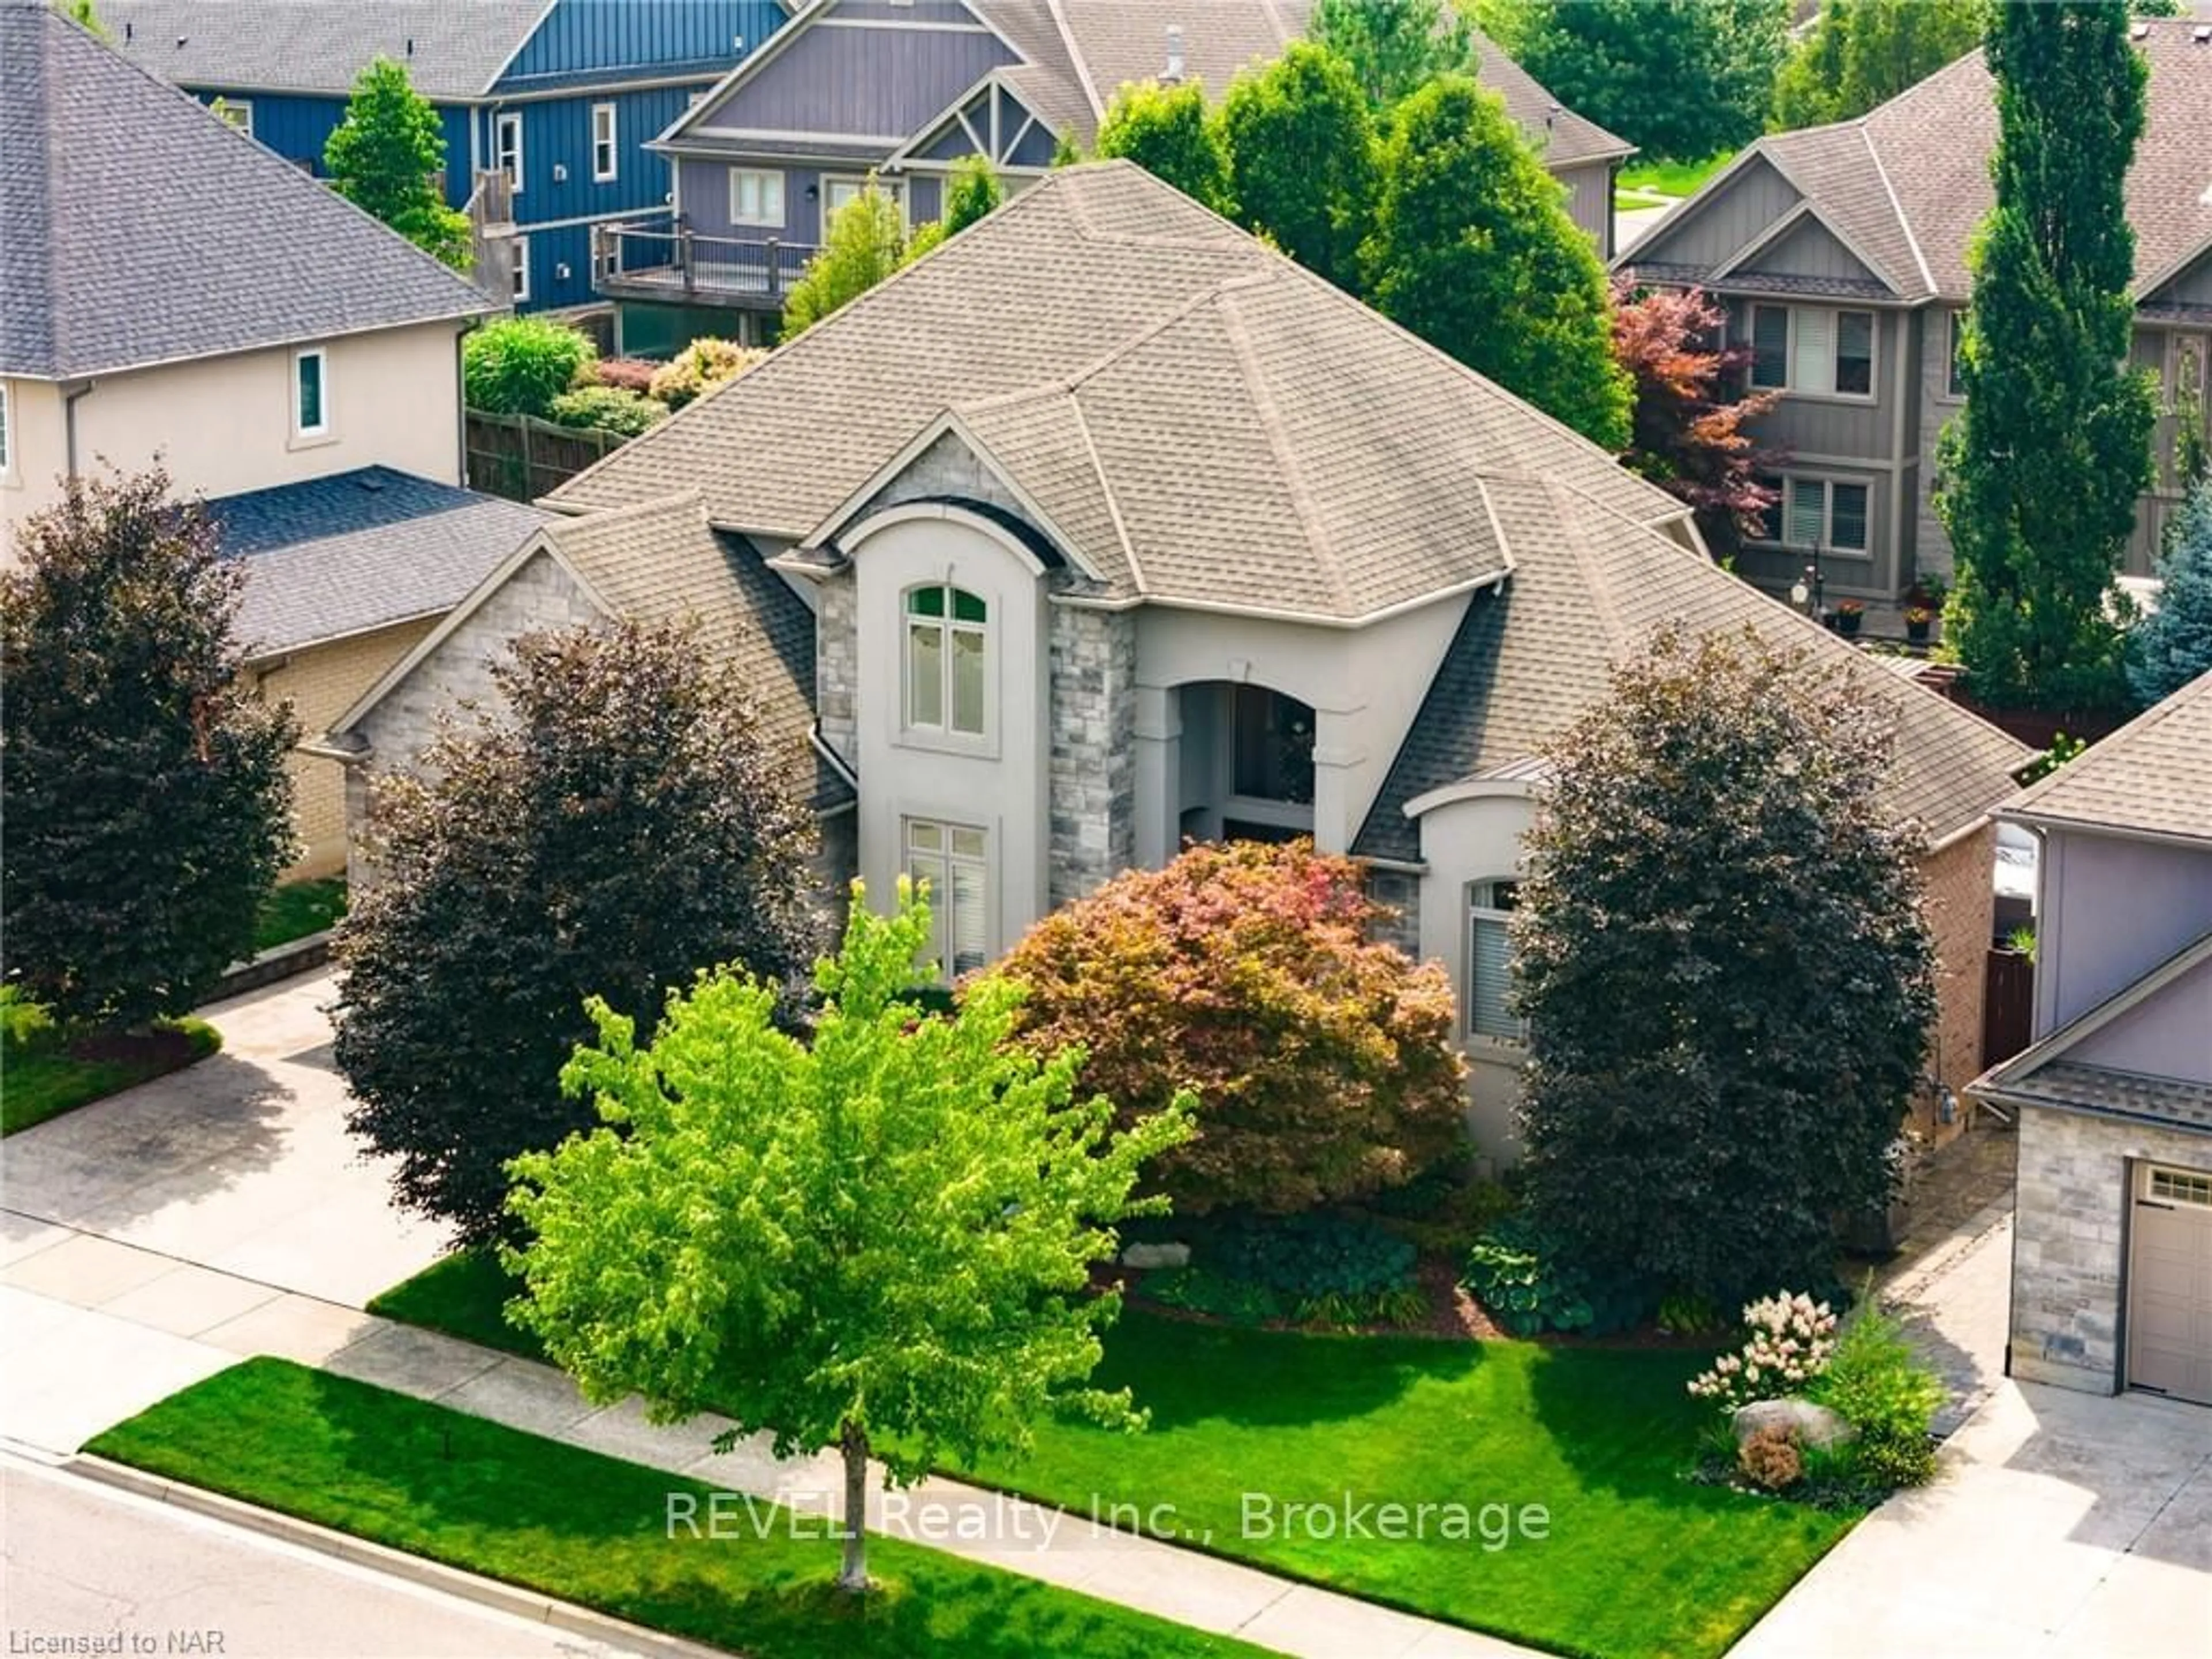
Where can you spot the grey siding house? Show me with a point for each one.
(1840, 255)
(905, 88)
(2112, 1247)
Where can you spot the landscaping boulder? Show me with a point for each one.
(1814, 1426)
(1157, 1255)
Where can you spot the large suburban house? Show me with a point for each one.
(1840, 253)
(1101, 560)
(278, 350)
(555, 97)
(905, 88)
(2111, 1283)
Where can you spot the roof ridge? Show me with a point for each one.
(1106, 491)
(600, 517)
(1271, 422)
(1571, 502)
(1085, 82)
(1152, 330)
(1904, 223)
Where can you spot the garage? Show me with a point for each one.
(2169, 1291)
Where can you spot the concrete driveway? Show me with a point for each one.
(149, 1239)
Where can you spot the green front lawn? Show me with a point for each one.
(51, 1074)
(1636, 1560)
(572, 1523)
(1671, 178)
(298, 908)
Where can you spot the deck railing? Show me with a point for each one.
(644, 261)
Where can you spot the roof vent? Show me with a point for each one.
(126, 28)
(411, 45)
(2201, 34)
(180, 41)
(1175, 53)
(1551, 116)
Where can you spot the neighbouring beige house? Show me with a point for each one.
(171, 290)
(1139, 532)
(2111, 1273)
(1840, 254)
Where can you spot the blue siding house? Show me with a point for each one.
(561, 94)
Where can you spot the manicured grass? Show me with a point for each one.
(48, 1076)
(461, 1295)
(298, 908)
(588, 1528)
(1637, 1559)
(1672, 178)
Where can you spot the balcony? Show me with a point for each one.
(676, 266)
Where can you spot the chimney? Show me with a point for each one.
(1175, 54)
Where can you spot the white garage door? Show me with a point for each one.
(2170, 1284)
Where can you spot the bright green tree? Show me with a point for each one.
(80, 13)
(2173, 645)
(519, 365)
(2042, 468)
(1167, 131)
(1859, 53)
(879, 1240)
(1394, 47)
(972, 191)
(866, 242)
(1682, 78)
(383, 156)
(1499, 276)
(1303, 158)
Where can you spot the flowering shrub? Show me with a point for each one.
(1771, 1458)
(1792, 1339)
(701, 365)
(625, 374)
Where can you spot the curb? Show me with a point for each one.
(526, 1604)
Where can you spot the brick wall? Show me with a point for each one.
(2069, 1243)
(1961, 907)
(321, 683)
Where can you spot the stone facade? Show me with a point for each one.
(2070, 1241)
(838, 662)
(321, 683)
(1961, 910)
(1093, 767)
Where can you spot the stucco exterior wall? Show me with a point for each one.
(321, 683)
(225, 424)
(2070, 1241)
(1962, 911)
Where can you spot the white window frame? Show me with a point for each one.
(766, 176)
(236, 113)
(1792, 385)
(945, 910)
(507, 158)
(948, 627)
(521, 275)
(1827, 483)
(321, 357)
(894, 188)
(609, 140)
(1479, 912)
(7, 432)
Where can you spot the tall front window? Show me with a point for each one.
(604, 154)
(506, 148)
(1490, 960)
(947, 630)
(310, 413)
(519, 276)
(1274, 744)
(1810, 349)
(953, 858)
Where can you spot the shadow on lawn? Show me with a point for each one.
(1622, 1418)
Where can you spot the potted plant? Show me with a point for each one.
(1849, 613)
(1918, 620)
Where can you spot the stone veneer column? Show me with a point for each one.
(837, 663)
(1093, 764)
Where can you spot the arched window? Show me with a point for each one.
(946, 628)
(1490, 961)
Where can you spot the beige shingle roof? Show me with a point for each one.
(1204, 423)
(1908, 184)
(2153, 776)
(1588, 587)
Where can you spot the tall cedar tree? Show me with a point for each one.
(384, 158)
(1859, 53)
(1170, 132)
(2041, 470)
(2173, 645)
(146, 800)
(879, 1241)
(867, 243)
(622, 823)
(1303, 158)
(1724, 967)
(1394, 47)
(1323, 1061)
(1688, 419)
(1682, 79)
(1499, 278)
(970, 194)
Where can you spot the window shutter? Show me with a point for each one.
(1812, 366)
(1490, 975)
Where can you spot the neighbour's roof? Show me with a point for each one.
(1907, 185)
(137, 229)
(1200, 420)
(1588, 587)
(2152, 777)
(337, 556)
(453, 49)
(1563, 137)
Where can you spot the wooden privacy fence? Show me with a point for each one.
(521, 457)
(2008, 1006)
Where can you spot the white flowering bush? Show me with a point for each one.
(1792, 1339)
